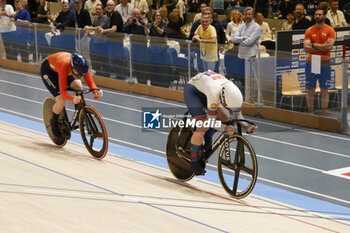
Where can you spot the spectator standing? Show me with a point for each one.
(335, 16)
(7, 26)
(247, 35)
(90, 6)
(41, 13)
(114, 18)
(135, 24)
(157, 27)
(319, 40)
(233, 26)
(206, 35)
(65, 18)
(125, 10)
(142, 5)
(220, 33)
(22, 15)
(218, 6)
(265, 28)
(198, 16)
(82, 16)
(300, 22)
(22, 18)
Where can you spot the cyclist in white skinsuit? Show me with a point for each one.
(211, 95)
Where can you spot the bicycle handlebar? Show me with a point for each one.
(235, 121)
(79, 92)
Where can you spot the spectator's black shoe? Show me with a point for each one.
(54, 127)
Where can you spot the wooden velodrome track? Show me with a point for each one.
(45, 188)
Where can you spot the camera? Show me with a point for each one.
(134, 20)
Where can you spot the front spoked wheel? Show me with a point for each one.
(93, 132)
(237, 166)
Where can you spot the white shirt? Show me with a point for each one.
(210, 84)
(247, 48)
(6, 24)
(181, 6)
(337, 19)
(231, 30)
(125, 11)
(142, 5)
(265, 32)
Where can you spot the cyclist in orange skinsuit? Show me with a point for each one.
(62, 70)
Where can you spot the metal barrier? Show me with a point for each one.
(344, 97)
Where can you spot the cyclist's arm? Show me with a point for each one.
(62, 82)
(89, 81)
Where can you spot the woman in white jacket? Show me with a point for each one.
(232, 26)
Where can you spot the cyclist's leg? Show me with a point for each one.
(75, 84)
(196, 103)
(50, 79)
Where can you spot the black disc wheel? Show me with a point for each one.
(178, 153)
(93, 132)
(237, 166)
(47, 116)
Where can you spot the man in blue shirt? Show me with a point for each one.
(23, 32)
(248, 35)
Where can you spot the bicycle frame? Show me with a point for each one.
(74, 120)
(79, 108)
(221, 139)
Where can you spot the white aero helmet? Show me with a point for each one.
(230, 96)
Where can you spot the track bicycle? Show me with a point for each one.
(90, 123)
(236, 162)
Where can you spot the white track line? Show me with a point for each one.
(215, 167)
(183, 105)
(163, 152)
(254, 136)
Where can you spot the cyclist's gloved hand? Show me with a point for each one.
(98, 94)
(230, 129)
(76, 99)
(251, 129)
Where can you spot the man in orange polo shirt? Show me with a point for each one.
(319, 40)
